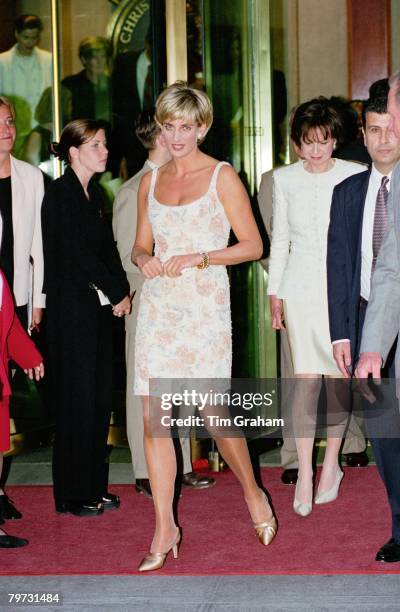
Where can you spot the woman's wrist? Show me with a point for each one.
(203, 260)
(141, 259)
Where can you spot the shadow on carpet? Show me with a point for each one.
(338, 538)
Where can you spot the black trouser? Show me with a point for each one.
(80, 345)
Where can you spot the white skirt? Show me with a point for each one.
(307, 326)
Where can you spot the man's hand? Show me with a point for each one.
(369, 363)
(342, 356)
(37, 315)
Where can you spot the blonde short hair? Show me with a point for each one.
(179, 101)
(6, 102)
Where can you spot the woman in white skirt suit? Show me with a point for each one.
(298, 285)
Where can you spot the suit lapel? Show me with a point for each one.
(355, 213)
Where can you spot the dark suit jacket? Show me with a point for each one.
(344, 257)
(78, 245)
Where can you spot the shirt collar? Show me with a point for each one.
(378, 176)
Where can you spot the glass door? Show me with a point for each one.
(230, 59)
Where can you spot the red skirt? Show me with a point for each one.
(4, 425)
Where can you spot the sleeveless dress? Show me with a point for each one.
(184, 323)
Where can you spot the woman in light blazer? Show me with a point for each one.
(21, 195)
(298, 287)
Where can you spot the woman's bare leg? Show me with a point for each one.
(236, 454)
(338, 398)
(305, 403)
(161, 465)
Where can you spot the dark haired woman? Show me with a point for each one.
(298, 286)
(85, 285)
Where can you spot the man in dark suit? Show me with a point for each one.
(355, 235)
(350, 236)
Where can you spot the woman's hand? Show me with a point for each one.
(149, 266)
(174, 265)
(277, 314)
(123, 308)
(37, 372)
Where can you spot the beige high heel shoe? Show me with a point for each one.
(267, 530)
(324, 497)
(155, 561)
(301, 508)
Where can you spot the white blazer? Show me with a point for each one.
(124, 226)
(10, 83)
(27, 191)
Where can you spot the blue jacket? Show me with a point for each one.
(344, 258)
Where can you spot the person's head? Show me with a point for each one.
(382, 143)
(185, 115)
(394, 102)
(147, 129)
(316, 129)
(83, 145)
(27, 30)
(7, 126)
(379, 89)
(94, 52)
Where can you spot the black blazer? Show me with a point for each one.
(78, 244)
(344, 257)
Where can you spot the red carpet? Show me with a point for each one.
(339, 538)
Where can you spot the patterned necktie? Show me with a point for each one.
(380, 219)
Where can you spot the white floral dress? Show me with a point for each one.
(184, 323)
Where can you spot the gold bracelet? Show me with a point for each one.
(205, 262)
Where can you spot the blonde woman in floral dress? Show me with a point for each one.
(185, 212)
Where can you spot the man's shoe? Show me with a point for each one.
(357, 459)
(197, 481)
(109, 501)
(80, 508)
(289, 477)
(390, 552)
(7, 510)
(142, 485)
(9, 541)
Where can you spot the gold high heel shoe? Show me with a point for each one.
(267, 530)
(155, 561)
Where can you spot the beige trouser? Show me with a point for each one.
(354, 441)
(134, 410)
